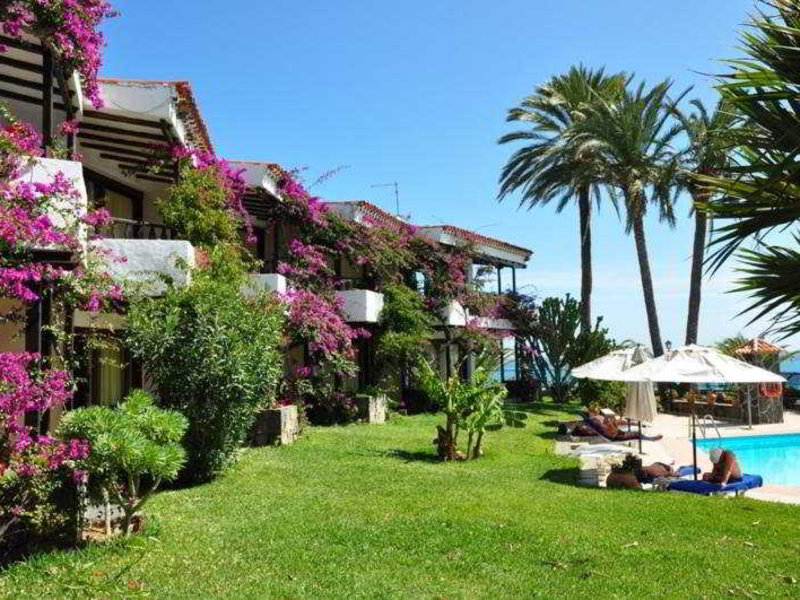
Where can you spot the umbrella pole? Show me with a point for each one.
(640, 436)
(694, 446)
(750, 406)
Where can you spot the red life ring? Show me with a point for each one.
(771, 390)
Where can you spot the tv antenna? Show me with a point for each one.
(396, 187)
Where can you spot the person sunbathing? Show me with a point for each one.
(607, 427)
(726, 467)
(655, 471)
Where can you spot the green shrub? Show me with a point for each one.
(133, 448)
(607, 394)
(198, 208)
(214, 356)
(403, 335)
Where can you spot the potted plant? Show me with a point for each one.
(623, 476)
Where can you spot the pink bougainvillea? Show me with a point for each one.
(69, 27)
(308, 266)
(318, 321)
(25, 457)
(41, 215)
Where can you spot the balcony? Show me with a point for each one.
(128, 229)
(44, 170)
(454, 314)
(261, 282)
(145, 264)
(361, 306)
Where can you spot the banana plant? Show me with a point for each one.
(476, 405)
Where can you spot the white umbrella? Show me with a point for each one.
(697, 364)
(612, 364)
(640, 400)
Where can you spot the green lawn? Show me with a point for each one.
(364, 511)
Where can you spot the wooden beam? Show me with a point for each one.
(26, 83)
(120, 150)
(130, 162)
(112, 140)
(21, 45)
(29, 99)
(20, 64)
(47, 99)
(94, 114)
(62, 84)
(131, 166)
(154, 178)
(118, 131)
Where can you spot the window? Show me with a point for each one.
(122, 201)
(110, 374)
(107, 374)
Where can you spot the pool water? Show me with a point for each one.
(775, 457)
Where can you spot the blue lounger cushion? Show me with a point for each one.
(687, 471)
(748, 482)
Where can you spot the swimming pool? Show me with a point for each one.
(775, 457)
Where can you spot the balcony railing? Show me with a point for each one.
(128, 229)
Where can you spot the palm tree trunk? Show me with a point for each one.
(695, 286)
(647, 285)
(585, 222)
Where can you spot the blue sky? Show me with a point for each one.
(416, 92)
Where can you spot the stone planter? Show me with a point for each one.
(372, 409)
(275, 427)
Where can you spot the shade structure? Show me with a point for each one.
(758, 346)
(610, 366)
(697, 364)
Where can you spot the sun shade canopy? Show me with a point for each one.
(612, 364)
(697, 364)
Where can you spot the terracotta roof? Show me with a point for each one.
(374, 212)
(255, 162)
(188, 111)
(471, 236)
(758, 346)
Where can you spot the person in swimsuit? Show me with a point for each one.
(726, 467)
(608, 428)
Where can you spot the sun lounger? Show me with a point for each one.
(707, 488)
(628, 435)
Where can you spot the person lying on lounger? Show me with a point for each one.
(656, 470)
(726, 467)
(607, 427)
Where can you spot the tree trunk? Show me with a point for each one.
(469, 444)
(585, 222)
(444, 444)
(106, 513)
(478, 446)
(695, 286)
(647, 285)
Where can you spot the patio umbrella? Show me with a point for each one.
(640, 401)
(698, 364)
(612, 364)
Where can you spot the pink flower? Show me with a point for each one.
(69, 127)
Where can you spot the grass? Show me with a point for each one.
(364, 512)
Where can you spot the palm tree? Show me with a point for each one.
(708, 153)
(547, 167)
(632, 136)
(762, 192)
